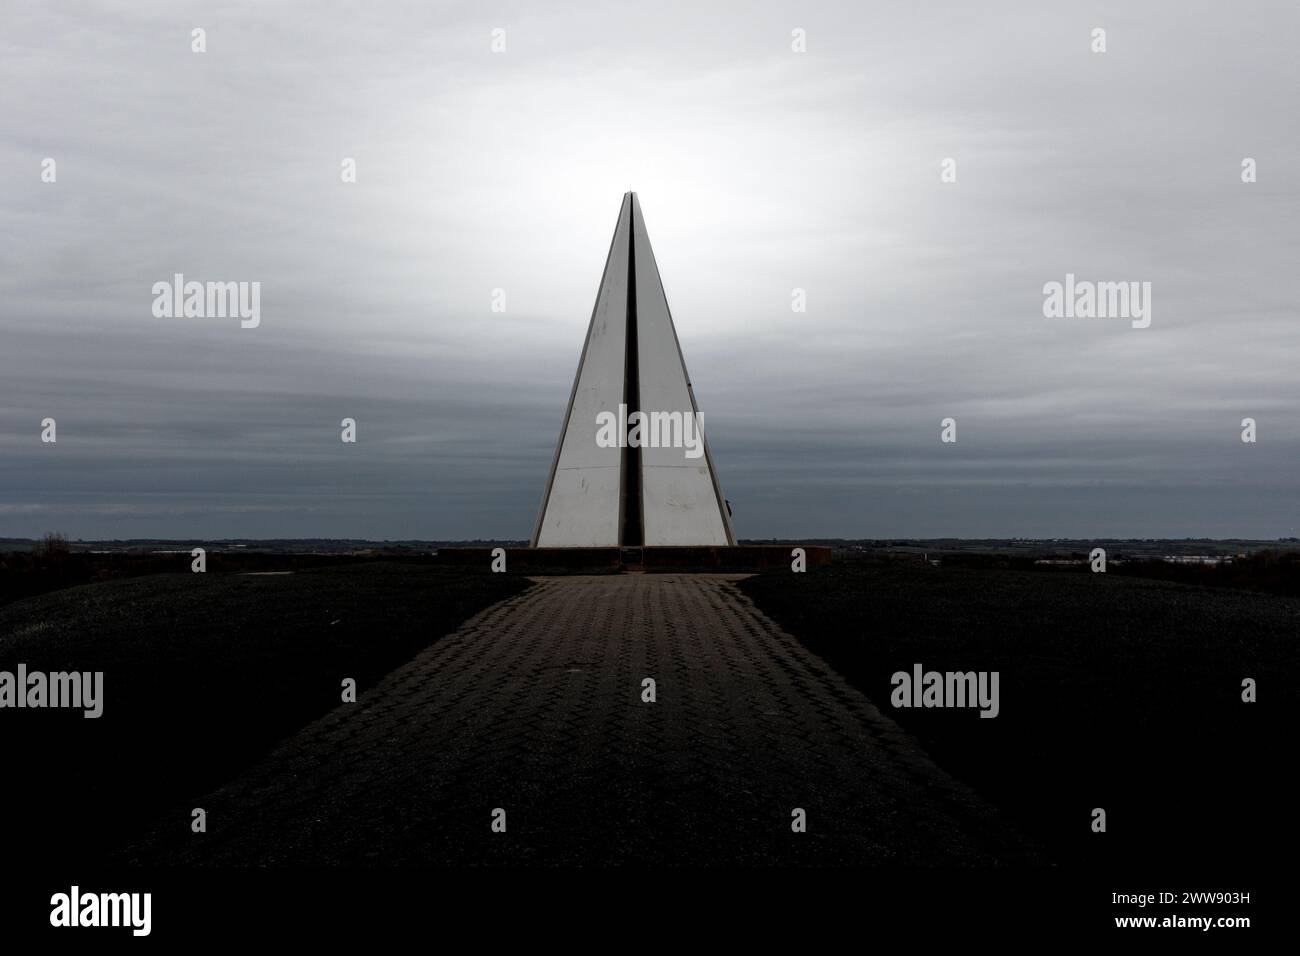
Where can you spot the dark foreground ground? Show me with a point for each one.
(1118, 693)
(223, 691)
(203, 673)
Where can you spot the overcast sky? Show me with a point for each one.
(759, 170)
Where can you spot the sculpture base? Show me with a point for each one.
(738, 558)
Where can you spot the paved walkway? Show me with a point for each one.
(534, 706)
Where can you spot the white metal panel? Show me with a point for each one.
(581, 504)
(682, 501)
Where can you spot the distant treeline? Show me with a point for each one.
(1275, 571)
(52, 564)
(47, 568)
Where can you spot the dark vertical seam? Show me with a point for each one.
(632, 532)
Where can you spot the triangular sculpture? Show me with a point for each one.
(642, 490)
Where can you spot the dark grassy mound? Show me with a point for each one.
(25, 574)
(1115, 692)
(202, 674)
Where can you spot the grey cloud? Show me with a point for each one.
(759, 171)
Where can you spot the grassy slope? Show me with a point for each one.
(1115, 693)
(203, 673)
